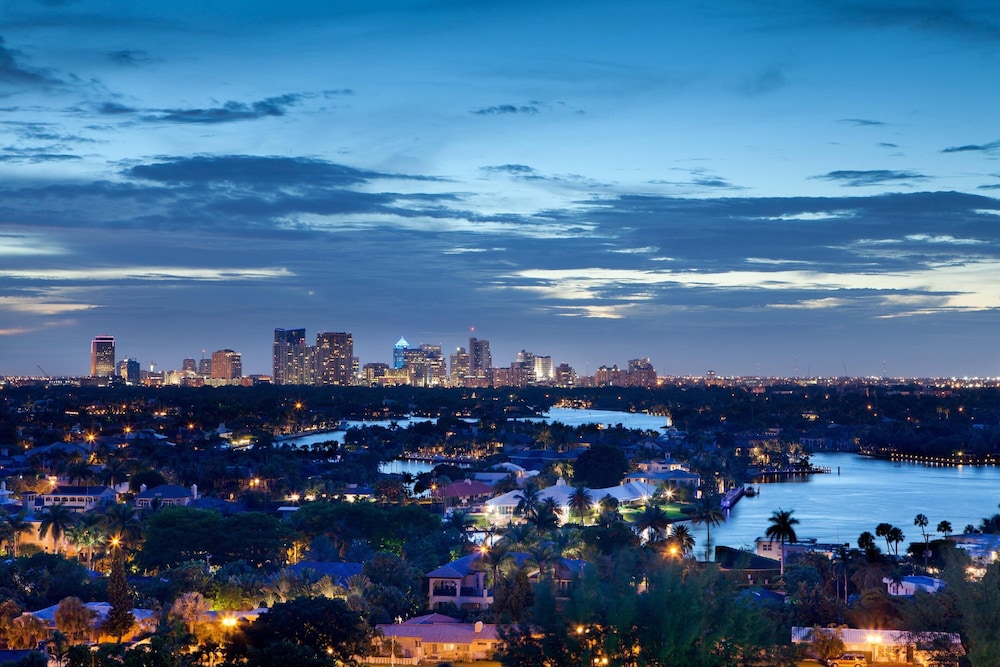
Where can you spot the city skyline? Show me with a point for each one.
(780, 190)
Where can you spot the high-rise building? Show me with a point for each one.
(399, 353)
(427, 366)
(459, 367)
(335, 360)
(205, 366)
(480, 359)
(641, 373)
(227, 365)
(288, 356)
(543, 369)
(189, 365)
(102, 356)
(129, 371)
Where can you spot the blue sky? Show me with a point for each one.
(752, 187)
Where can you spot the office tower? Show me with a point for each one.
(102, 356)
(205, 366)
(426, 365)
(189, 365)
(288, 356)
(129, 370)
(227, 365)
(480, 360)
(372, 372)
(335, 360)
(459, 367)
(399, 353)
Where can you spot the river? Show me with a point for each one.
(859, 494)
(839, 506)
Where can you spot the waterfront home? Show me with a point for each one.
(500, 510)
(666, 478)
(145, 619)
(436, 637)
(464, 492)
(772, 548)
(981, 547)
(892, 646)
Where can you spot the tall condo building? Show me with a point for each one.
(227, 365)
(335, 360)
(480, 359)
(102, 356)
(289, 355)
(459, 367)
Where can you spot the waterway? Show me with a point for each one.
(860, 493)
(856, 496)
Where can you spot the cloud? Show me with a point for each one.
(12, 72)
(984, 148)
(40, 306)
(129, 58)
(154, 273)
(229, 112)
(24, 245)
(963, 20)
(861, 122)
(267, 171)
(34, 155)
(767, 81)
(515, 170)
(507, 109)
(860, 178)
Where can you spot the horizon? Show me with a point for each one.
(780, 191)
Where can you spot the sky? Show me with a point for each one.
(751, 187)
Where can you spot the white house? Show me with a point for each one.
(500, 510)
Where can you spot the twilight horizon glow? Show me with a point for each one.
(789, 189)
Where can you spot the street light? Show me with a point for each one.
(874, 640)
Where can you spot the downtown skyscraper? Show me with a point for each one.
(102, 356)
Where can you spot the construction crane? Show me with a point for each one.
(44, 374)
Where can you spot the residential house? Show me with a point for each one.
(889, 646)
(79, 498)
(464, 493)
(464, 582)
(436, 637)
(165, 495)
(911, 584)
(500, 510)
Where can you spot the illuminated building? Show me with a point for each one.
(289, 357)
(399, 353)
(459, 367)
(335, 360)
(227, 365)
(128, 370)
(102, 356)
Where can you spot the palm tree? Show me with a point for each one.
(56, 519)
(708, 511)
(528, 500)
(782, 528)
(921, 521)
(546, 516)
(652, 522)
(15, 524)
(122, 522)
(882, 530)
(88, 532)
(866, 541)
(580, 501)
(79, 471)
(944, 527)
(682, 538)
(895, 536)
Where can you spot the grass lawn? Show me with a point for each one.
(673, 511)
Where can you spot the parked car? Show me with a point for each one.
(849, 660)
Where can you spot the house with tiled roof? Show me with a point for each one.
(464, 492)
(500, 510)
(436, 637)
(79, 498)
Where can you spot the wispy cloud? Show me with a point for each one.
(982, 148)
(153, 273)
(860, 178)
(861, 122)
(14, 73)
(229, 112)
(507, 109)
